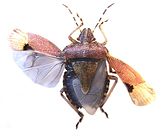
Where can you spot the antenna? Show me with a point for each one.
(74, 16)
(100, 19)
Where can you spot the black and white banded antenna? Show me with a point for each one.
(74, 18)
(100, 19)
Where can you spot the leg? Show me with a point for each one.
(78, 27)
(78, 112)
(101, 23)
(111, 77)
(102, 110)
(101, 29)
(112, 71)
(70, 36)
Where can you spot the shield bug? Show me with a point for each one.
(86, 63)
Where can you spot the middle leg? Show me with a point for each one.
(111, 77)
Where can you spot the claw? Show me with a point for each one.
(80, 120)
(102, 110)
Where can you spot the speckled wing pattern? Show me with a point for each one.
(140, 92)
(41, 65)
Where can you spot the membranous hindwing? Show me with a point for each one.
(86, 81)
(40, 68)
(39, 58)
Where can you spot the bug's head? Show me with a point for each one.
(86, 36)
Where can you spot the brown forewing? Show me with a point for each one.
(140, 92)
(43, 45)
(19, 40)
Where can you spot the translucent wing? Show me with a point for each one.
(92, 100)
(37, 57)
(42, 69)
(140, 92)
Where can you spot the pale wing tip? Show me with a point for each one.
(18, 39)
(142, 94)
(90, 110)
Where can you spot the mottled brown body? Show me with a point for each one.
(85, 47)
(92, 50)
(85, 71)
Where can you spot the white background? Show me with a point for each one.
(136, 34)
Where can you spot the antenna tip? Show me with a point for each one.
(110, 5)
(64, 5)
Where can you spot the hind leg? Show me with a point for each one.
(74, 107)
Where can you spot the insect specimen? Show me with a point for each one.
(86, 79)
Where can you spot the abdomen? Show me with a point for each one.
(85, 82)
